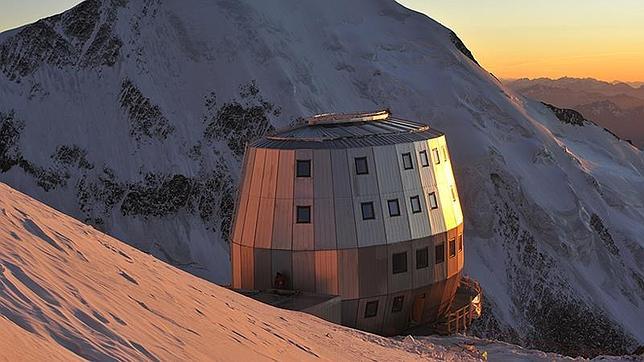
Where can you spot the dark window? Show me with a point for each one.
(422, 258)
(303, 168)
(371, 309)
(460, 242)
(415, 204)
(394, 208)
(361, 166)
(452, 248)
(451, 188)
(407, 163)
(440, 253)
(433, 204)
(304, 214)
(444, 153)
(424, 161)
(399, 262)
(367, 211)
(437, 156)
(397, 306)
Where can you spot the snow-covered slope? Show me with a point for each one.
(70, 291)
(132, 115)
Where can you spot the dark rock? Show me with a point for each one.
(458, 43)
(565, 115)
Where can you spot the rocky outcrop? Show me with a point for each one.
(569, 116)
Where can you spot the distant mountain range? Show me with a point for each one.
(618, 106)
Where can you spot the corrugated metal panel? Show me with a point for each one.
(326, 272)
(362, 185)
(461, 253)
(401, 281)
(340, 173)
(388, 171)
(425, 276)
(419, 222)
(283, 216)
(345, 224)
(443, 175)
(323, 174)
(262, 269)
(240, 213)
(304, 271)
(426, 173)
(303, 234)
(348, 273)
(452, 261)
(396, 227)
(436, 218)
(369, 232)
(395, 322)
(264, 231)
(440, 270)
(247, 268)
(282, 263)
(372, 324)
(255, 190)
(236, 265)
(372, 267)
(350, 312)
(324, 224)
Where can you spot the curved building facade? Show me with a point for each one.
(363, 206)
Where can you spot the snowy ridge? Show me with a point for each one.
(554, 211)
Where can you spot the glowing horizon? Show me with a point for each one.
(512, 39)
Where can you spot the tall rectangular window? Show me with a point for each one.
(460, 243)
(415, 204)
(367, 211)
(424, 161)
(397, 305)
(399, 262)
(408, 164)
(394, 207)
(303, 214)
(433, 204)
(303, 168)
(422, 258)
(440, 253)
(371, 309)
(452, 248)
(444, 153)
(451, 188)
(361, 166)
(437, 156)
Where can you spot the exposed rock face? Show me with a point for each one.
(569, 116)
(458, 43)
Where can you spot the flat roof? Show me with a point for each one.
(348, 130)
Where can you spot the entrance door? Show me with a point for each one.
(417, 308)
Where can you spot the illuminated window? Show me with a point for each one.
(433, 204)
(440, 253)
(415, 204)
(422, 258)
(397, 305)
(303, 168)
(394, 207)
(361, 166)
(424, 161)
(399, 262)
(437, 157)
(407, 162)
(367, 211)
(304, 214)
(371, 309)
(444, 153)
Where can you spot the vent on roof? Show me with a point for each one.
(335, 118)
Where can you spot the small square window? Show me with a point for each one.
(361, 166)
(399, 262)
(415, 204)
(424, 161)
(452, 248)
(397, 305)
(422, 258)
(367, 211)
(394, 208)
(303, 168)
(451, 188)
(371, 309)
(433, 204)
(440, 253)
(407, 162)
(437, 156)
(304, 214)
(460, 242)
